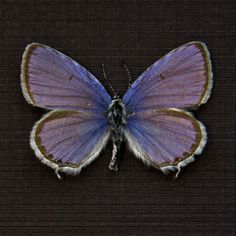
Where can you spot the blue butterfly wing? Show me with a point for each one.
(69, 140)
(74, 133)
(166, 139)
(158, 131)
(52, 80)
(181, 79)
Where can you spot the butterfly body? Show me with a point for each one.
(151, 117)
(117, 117)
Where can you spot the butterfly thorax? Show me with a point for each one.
(116, 116)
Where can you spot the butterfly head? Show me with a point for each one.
(117, 119)
(116, 97)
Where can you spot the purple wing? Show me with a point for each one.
(69, 140)
(52, 80)
(180, 79)
(166, 139)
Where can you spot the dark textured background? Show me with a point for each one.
(136, 200)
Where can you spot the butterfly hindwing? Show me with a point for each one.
(52, 80)
(69, 140)
(166, 138)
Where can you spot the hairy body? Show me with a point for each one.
(117, 118)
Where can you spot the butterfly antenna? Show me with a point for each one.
(108, 81)
(128, 72)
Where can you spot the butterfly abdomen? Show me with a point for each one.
(116, 116)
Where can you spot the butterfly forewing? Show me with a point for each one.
(181, 79)
(52, 80)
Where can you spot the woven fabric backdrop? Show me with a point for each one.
(136, 200)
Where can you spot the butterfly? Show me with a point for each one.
(152, 117)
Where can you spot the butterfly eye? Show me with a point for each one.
(117, 96)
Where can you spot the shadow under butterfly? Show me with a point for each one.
(151, 117)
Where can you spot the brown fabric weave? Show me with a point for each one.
(136, 200)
